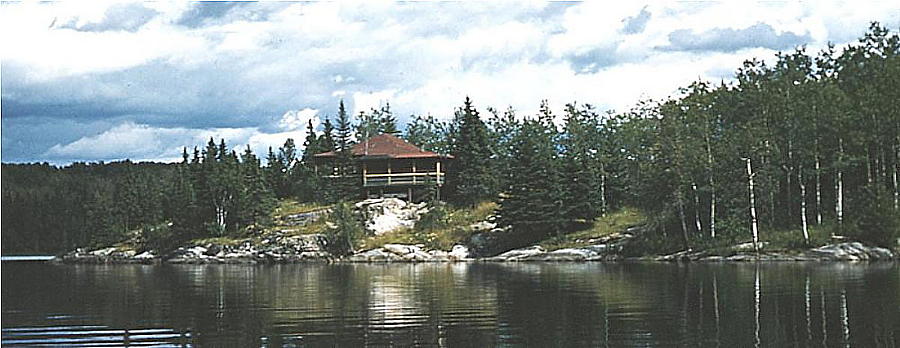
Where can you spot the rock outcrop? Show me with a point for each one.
(598, 252)
(389, 214)
(105, 255)
(848, 251)
(410, 253)
(853, 251)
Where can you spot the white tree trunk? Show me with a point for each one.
(803, 206)
(680, 198)
(712, 214)
(603, 208)
(790, 176)
(818, 187)
(696, 208)
(712, 188)
(845, 319)
(756, 299)
(808, 316)
(839, 205)
(753, 223)
(868, 167)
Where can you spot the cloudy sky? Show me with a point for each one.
(85, 81)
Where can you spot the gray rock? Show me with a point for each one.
(103, 252)
(482, 226)
(374, 255)
(439, 255)
(460, 252)
(417, 256)
(851, 251)
(519, 254)
(147, 255)
(302, 219)
(401, 249)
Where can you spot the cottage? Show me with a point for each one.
(391, 167)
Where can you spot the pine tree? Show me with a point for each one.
(529, 205)
(345, 186)
(471, 179)
(327, 141)
(311, 145)
(503, 129)
(306, 183)
(579, 168)
(256, 200)
(387, 121)
(428, 133)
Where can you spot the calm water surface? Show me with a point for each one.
(477, 305)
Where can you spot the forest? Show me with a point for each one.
(804, 148)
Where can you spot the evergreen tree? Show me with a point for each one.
(375, 122)
(306, 183)
(580, 170)
(256, 200)
(428, 133)
(327, 141)
(387, 121)
(471, 179)
(529, 205)
(503, 129)
(344, 187)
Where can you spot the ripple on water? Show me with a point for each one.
(93, 336)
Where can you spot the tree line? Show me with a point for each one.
(816, 136)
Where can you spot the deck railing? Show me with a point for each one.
(418, 178)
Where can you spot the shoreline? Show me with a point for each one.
(401, 253)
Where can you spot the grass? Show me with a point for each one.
(606, 225)
(457, 230)
(790, 240)
(220, 241)
(288, 207)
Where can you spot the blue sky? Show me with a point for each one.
(86, 81)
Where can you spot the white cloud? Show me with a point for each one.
(259, 72)
(141, 142)
(298, 119)
(363, 102)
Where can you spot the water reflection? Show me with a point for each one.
(532, 304)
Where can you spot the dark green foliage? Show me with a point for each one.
(428, 133)
(159, 238)
(580, 167)
(48, 209)
(874, 219)
(375, 122)
(255, 200)
(471, 179)
(531, 205)
(821, 133)
(344, 228)
(344, 181)
(437, 217)
(503, 129)
(52, 209)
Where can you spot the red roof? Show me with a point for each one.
(386, 146)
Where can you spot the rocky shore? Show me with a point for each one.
(848, 251)
(311, 248)
(276, 249)
(385, 215)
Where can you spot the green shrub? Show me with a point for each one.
(344, 227)
(159, 238)
(873, 218)
(437, 217)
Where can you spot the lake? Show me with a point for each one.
(461, 304)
